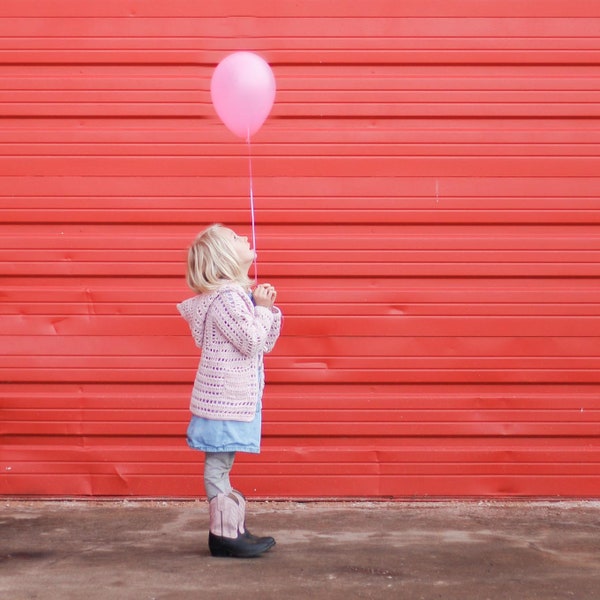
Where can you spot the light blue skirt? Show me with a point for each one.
(208, 435)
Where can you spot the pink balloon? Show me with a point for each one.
(242, 91)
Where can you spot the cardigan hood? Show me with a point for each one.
(194, 311)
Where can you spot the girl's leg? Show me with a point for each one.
(217, 466)
(228, 536)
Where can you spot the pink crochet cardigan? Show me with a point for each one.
(233, 335)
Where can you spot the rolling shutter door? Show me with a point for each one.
(427, 206)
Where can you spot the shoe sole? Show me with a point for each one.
(230, 553)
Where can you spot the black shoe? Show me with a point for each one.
(244, 546)
(256, 539)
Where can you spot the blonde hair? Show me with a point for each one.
(213, 262)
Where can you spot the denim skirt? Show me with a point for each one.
(208, 435)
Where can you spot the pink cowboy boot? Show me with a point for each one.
(242, 525)
(227, 536)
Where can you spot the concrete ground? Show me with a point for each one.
(145, 550)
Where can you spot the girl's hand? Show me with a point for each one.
(264, 295)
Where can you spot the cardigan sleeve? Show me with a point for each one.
(275, 329)
(246, 329)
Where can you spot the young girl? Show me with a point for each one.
(233, 327)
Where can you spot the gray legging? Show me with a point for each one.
(217, 466)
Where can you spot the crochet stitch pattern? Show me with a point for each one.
(233, 335)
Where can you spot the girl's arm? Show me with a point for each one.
(248, 330)
(265, 296)
(274, 331)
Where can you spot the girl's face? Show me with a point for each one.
(241, 246)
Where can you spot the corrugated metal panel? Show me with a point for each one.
(427, 197)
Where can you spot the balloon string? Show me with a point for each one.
(252, 209)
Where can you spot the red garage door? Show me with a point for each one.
(427, 193)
